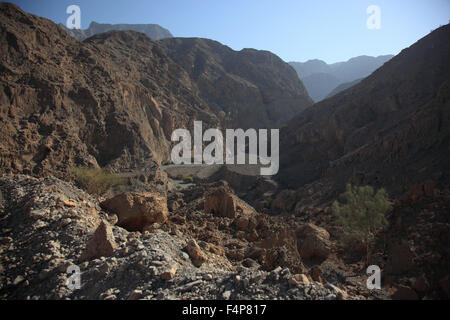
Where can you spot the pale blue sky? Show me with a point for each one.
(295, 30)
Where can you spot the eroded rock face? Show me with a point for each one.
(136, 211)
(247, 88)
(224, 203)
(102, 243)
(112, 100)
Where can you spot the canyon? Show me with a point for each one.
(110, 104)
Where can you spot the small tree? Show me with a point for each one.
(362, 214)
(96, 180)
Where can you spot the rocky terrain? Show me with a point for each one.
(48, 225)
(153, 31)
(168, 232)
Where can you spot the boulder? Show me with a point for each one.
(313, 242)
(280, 246)
(102, 243)
(136, 211)
(224, 203)
(198, 257)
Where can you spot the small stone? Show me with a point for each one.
(135, 295)
(68, 203)
(184, 255)
(18, 280)
(277, 270)
(299, 279)
(226, 295)
(208, 277)
(169, 273)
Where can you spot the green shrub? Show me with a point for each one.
(179, 177)
(188, 180)
(96, 180)
(362, 214)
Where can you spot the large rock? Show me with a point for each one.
(224, 203)
(313, 242)
(136, 211)
(198, 257)
(280, 246)
(102, 243)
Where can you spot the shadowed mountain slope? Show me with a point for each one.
(391, 130)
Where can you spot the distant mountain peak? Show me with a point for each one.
(321, 78)
(153, 31)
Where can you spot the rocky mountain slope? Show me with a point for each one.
(112, 100)
(320, 84)
(249, 88)
(153, 31)
(391, 130)
(321, 78)
(342, 87)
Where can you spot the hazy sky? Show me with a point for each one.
(295, 30)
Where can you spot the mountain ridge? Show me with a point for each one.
(312, 73)
(378, 132)
(153, 31)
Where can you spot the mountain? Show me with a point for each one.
(305, 69)
(391, 130)
(318, 83)
(153, 31)
(250, 88)
(114, 99)
(342, 87)
(312, 73)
